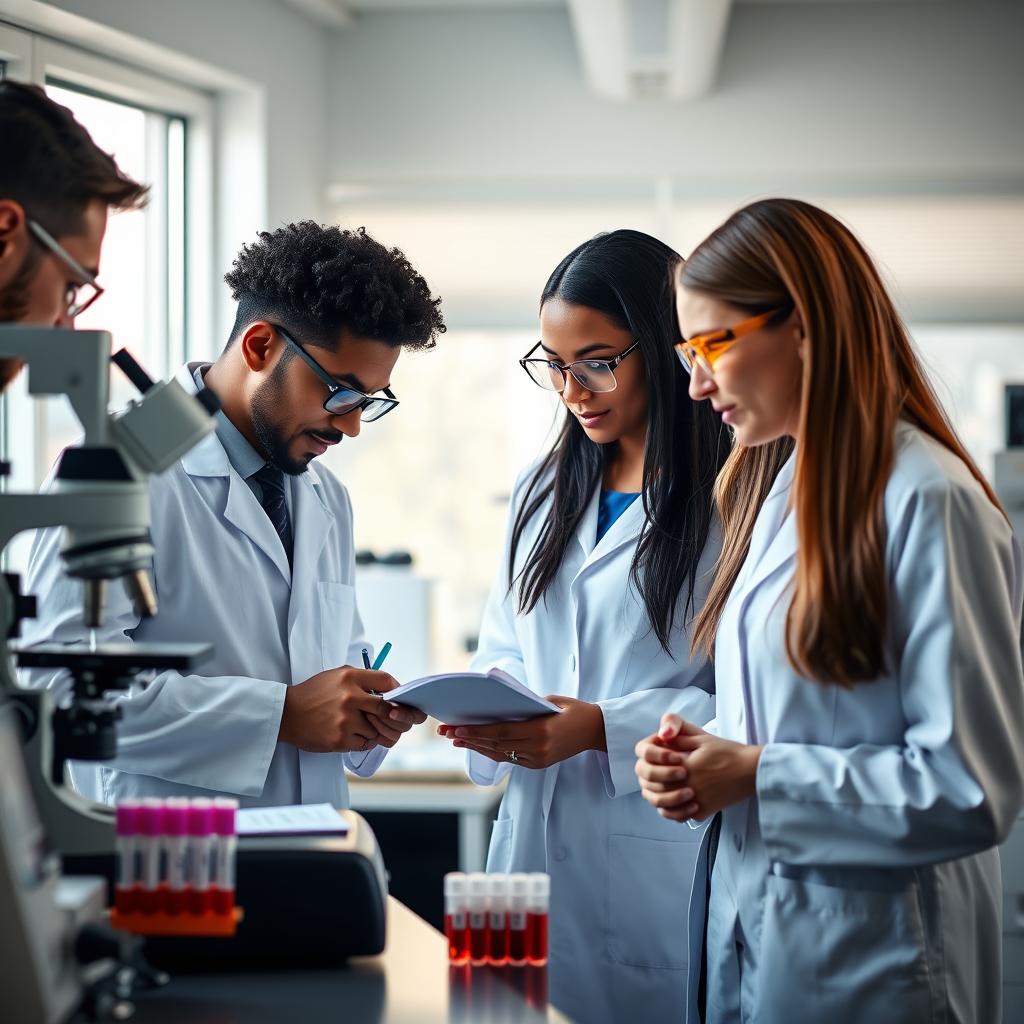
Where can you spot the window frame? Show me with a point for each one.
(34, 57)
(109, 78)
(18, 53)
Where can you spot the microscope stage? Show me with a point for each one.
(125, 657)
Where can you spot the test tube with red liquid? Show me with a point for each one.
(129, 825)
(518, 903)
(537, 919)
(478, 918)
(222, 882)
(200, 848)
(176, 846)
(456, 920)
(150, 847)
(497, 911)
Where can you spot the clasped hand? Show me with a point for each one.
(538, 742)
(687, 773)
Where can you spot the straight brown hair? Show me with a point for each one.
(860, 376)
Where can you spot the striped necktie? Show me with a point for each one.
(275, 504)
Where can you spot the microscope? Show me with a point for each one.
(100, 498)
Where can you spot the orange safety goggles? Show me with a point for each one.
(705, 350)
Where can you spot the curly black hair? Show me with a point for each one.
(319, 281)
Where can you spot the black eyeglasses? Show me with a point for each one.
(592, 374)
(342, 399)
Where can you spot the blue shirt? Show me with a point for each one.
(611, 505)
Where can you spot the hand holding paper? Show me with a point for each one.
(472, 698)
(539, 742)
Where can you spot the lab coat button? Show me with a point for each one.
(561, 853)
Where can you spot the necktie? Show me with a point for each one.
(275, 504)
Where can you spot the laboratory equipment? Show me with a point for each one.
(456, 922)
(100, 498)
(334, 904)
(477, 918)
(537, 912)
(518, 907)
(497, 924)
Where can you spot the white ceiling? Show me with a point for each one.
(370, 6)
(628, 49)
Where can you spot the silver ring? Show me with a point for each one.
(374, 693)
(512, 756)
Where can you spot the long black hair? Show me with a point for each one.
(627, 276)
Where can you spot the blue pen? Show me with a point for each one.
(366, 658)
(384, 651)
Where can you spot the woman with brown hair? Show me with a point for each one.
(867, 756)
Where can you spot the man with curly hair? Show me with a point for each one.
(254, 545)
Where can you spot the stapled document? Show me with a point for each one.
(472, 698)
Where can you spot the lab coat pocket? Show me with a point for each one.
(845, 953)
(337, 602)
(649, 882)
(499, 854)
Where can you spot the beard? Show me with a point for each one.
(14, 298)
(271, 437)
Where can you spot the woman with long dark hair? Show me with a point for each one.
(868, 752)
(611, 539)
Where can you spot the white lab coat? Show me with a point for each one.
(620, 874)
(862, 883)
(222, 576)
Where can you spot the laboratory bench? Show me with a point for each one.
(427, 823)
(411, 982)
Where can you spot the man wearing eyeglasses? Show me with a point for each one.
(254, 541)
(56, 188)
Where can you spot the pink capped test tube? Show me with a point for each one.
(200, 843)
(150, 844)
(176, 844)
(129, 825)
(222, 883)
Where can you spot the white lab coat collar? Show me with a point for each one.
(624, 530)
(312, 518)
(774, 540)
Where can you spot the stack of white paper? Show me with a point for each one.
(294, 820)
(472, 698)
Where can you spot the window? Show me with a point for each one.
(144, 307)
(158, 275)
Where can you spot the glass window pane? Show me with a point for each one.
(141, 247)
(484, 420)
